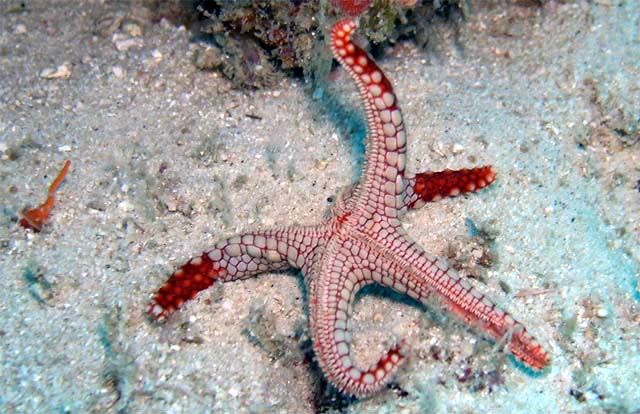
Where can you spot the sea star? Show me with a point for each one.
(35, 218)
(363, 242)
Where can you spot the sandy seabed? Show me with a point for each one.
(167, 159)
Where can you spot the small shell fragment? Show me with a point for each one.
(61, 72)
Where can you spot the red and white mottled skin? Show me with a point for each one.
(363, 242)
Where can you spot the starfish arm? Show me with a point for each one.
(35, 218)
(433, 186)
(235, 258)
(420, 276)
(381, 186)
(333, 285)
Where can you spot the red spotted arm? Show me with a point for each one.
(238, 257)
(433, 186)
(382, 182)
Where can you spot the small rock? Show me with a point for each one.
(20, 29)
(170, 202)
(457, 148)
(126, 206)
(132, 29)
(108, 24)
(466, 349)
(124, 43)
(321, 164)
(97, 205)
(157, 55)
(61, 71)
(118, 72)
(602, 313)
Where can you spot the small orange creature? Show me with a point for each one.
(34, 218)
